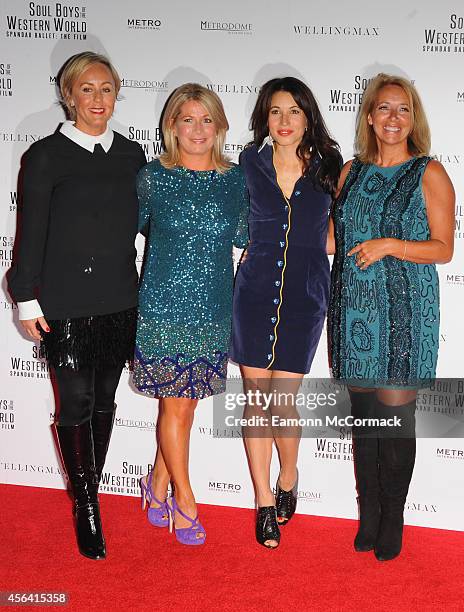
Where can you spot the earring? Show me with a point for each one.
(267, 141)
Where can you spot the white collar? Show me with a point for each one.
(87, 141)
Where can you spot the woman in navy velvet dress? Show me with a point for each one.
(282, 285)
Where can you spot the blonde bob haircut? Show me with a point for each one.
(72, 70)
(419, 136)
(213, 106)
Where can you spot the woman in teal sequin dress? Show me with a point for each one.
(394, 220)
(194, 204)
(186, 290)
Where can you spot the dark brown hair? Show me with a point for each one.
(316, 142)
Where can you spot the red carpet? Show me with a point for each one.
(315, 567)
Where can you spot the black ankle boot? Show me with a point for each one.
(267, 527)
(102, 426)
(286, 502)
(365, 458)
(397, 457)
(76, 446)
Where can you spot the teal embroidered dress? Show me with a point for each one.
(193, 218)
(383, 321)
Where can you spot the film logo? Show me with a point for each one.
(333, 450)
(348, 100)
(459, 222)
(51, 20)
(449, 40)
(126, 482)
(13, 201)
(6, 80)
(6, 251)
(7, 416)
(150, 139)
(37, 367)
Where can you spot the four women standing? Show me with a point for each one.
(393, 220)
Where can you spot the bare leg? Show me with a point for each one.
(161, 476)
(258, 441)
(174, 424)
(285, 385)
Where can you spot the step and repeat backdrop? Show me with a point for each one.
(232, 48)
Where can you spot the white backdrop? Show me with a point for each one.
(333, 46)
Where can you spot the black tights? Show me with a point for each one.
(79, 393)
(389, 397)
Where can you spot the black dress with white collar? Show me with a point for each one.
(79, 221)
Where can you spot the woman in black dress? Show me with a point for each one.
(75, 279)
(282, 287)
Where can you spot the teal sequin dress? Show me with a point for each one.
(184, 326)
(383, 321)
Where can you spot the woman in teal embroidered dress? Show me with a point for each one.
(195, 205)
(388, 323)
(394, 220)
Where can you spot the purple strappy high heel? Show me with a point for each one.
(186, 535)
(156, 516)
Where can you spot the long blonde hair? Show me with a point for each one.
(419, 137)
(213, 105)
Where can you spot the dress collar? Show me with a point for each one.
(266, 163)
(87, 141)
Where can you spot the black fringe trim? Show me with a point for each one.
(97, 341)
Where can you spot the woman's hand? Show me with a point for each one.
(371, 251)
(31, 327)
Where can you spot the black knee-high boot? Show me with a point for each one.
(76, 446)
(396, 458)
(102, 426)
(365, 457)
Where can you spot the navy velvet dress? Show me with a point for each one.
(282, 287)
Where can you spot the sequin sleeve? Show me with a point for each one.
(144, 180)
(241, 238)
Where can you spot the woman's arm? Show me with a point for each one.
(241, 236)
(330, 248)
(143, 183)
(440, 202)
(24, 276)
(331, 230)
